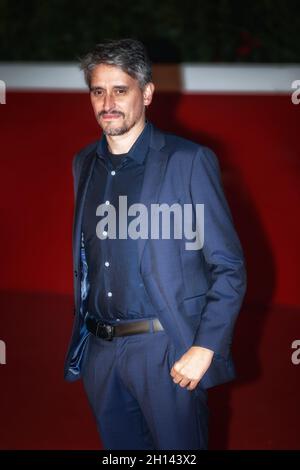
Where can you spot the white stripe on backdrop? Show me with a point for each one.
(188, 78)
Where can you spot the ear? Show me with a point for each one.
(148, 93)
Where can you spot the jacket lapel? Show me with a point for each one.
(153, 177)
(86, 172)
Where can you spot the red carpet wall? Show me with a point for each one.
(255, 134)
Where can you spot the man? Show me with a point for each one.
(154, 314)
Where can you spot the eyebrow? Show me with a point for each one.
(116, 87)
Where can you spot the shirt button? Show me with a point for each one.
(104, 233)
(106, 263)
(113, 172)
(109, 294)
(107, 203)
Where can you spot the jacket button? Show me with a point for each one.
(76, 273)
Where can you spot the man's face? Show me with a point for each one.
(117, 100)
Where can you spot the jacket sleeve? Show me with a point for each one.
(223, 254)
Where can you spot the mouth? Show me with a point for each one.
(110, 117)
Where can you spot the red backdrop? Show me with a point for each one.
(256, 140)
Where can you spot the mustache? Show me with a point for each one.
(104, 113)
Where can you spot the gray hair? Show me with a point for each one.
(128, 54)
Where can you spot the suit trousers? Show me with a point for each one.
(133, 397)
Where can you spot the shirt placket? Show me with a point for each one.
(105, 257)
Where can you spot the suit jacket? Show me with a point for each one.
(197, 293)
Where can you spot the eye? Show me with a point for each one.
(97, 92)
(121, 91)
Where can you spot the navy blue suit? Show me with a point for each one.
(197, 294)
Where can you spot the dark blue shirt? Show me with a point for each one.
(116, 292)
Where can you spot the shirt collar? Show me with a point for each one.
(137, 151)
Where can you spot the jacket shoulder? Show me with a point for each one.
(88, 148)
(188, 150)
(81, 154)
(180, 143)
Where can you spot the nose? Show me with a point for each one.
(108, 103)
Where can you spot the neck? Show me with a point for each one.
(119, 144)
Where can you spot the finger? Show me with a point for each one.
(175, 371)
(184, 382)
(177, 366)
(177, 378)
(193, 384)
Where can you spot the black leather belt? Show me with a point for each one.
(107, 332)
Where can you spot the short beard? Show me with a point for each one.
(118, 130)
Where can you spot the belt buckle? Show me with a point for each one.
(106, 330)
